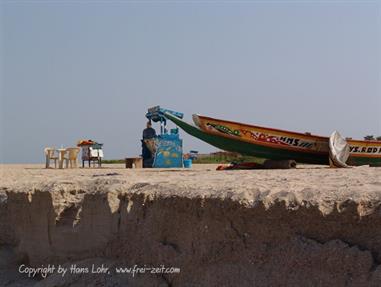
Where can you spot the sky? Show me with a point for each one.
(75, 70)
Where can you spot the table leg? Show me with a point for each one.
(60, 159)
(47, 162)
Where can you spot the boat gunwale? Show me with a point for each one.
(364, 142)
(286, 131)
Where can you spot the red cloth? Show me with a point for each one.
(85, 142)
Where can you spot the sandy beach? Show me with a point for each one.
(307, 226)
(317, 185)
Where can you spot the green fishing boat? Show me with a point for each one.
(275, 144)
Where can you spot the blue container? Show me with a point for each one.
(187, 163)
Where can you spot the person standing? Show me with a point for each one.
(149, 132)
(148, 145)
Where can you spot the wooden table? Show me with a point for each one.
(92, 153)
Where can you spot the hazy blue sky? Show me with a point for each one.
(79, 69)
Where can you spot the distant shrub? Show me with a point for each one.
(369, 138)
(113, 161)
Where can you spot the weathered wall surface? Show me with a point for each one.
(216, 235)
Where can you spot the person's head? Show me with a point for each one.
(149, 124)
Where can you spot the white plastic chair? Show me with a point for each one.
(72, 155)
(50, 154)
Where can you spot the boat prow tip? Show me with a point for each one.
(196, 119)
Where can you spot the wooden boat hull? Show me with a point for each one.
(273, 143)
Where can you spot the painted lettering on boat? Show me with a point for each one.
(364, 149)
(261, 137)
(288, 141)
(296, 142)
(224, 129)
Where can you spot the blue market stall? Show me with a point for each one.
(167, 147)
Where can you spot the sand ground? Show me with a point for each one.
(310, 226)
